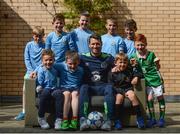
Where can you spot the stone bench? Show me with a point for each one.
(129, 118)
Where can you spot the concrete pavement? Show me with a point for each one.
(9, 125)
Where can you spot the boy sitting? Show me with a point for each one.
(47, 81)
(123, 77)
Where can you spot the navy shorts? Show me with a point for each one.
(122, 91)
(69, 89)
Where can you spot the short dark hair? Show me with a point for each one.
(48, 52)
(95, 36)
(58, 16)
(130, 23)
(85, 13)
(73, 55)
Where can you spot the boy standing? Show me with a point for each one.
(123, 77)
(154, 85)
(112, 43)
(130, 28)
(81, 34)
(32, 59)
(59, 41)
(70, 81)
(47, 89)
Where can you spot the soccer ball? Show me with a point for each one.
(95, 120)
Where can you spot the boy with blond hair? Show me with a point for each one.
(32, 59)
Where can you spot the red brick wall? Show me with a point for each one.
(159, 20)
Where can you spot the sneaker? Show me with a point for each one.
(42, 122)
(161, 122)
(140, 123)
(106, 125)
(83, 124)
(118, 125)
(65, 125)
(74, 124)
(57, 124)
(151, 123)
(20, 116)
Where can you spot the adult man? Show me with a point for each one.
(96, 67)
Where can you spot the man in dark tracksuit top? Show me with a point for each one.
(96, 66)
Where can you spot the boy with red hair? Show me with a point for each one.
(150, 66)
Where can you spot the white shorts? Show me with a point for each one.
(156, 91)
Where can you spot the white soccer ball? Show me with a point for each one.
(95, 120)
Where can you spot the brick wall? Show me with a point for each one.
(159, 20)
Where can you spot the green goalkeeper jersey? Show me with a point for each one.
(148, 67)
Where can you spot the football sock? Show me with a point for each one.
(118, 111)
(74, 118)
(85, 110)
(137, 109)
(106, 110)
(151, 109)
(162, 107)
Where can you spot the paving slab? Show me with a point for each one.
(9, 125)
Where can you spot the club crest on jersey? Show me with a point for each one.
(96, 76)
(104, 65)
(64, 41)
(87, 64)
(113, 43)
(144, 70)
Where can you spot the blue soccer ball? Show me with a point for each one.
(95, 120)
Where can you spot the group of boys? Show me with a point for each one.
(71, 67)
